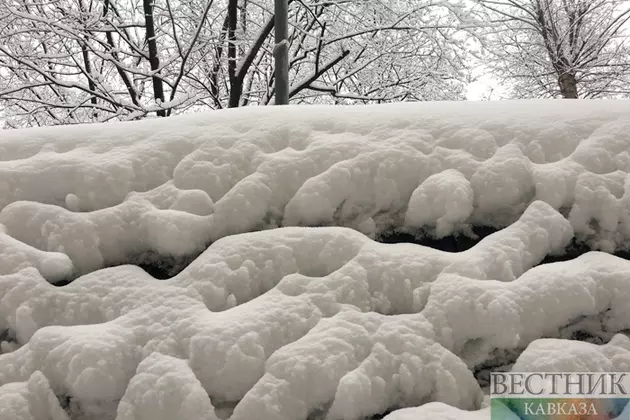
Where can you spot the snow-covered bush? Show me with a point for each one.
(279, 319)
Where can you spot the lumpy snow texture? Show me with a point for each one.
(104, 195)
(279, 321)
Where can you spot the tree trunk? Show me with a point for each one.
(158, 87)
(568, 86)
(236, 83)
(281, 52)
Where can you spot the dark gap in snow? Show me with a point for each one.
(500, 360)
(382, 415)
(576, 249)
(7, 335)
(64, 402)
(581, 335)
(164, 267)
(63, 282)
(8, 341)
(590, 329)
(158, 271)
(461, 242)
(319, 414)
(77, 409)
(452, 243)
(158, 266)
(625, 254)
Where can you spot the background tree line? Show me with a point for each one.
(76, 61)
(559, 48)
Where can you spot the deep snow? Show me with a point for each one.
(288, 322)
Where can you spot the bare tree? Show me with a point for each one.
(75, 61)
(281, 51)
(566, 48)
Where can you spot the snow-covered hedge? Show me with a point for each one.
(276, 321)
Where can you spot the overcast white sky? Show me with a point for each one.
(484, 87)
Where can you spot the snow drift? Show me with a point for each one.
(279, 320)
(171, 187)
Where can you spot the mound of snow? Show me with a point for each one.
(30, 400)
(442, 200)
(16, 255)
(360, 329)
(292, 322)
(164, 388)
(555, 355)
(171, 187)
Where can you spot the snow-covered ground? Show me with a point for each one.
(291, 310)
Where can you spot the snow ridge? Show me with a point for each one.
(350, 327)
(172, 187)
(291, 322)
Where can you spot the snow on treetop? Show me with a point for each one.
(278, 321)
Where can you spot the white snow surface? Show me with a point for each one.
(279, 321)
(103, 194)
